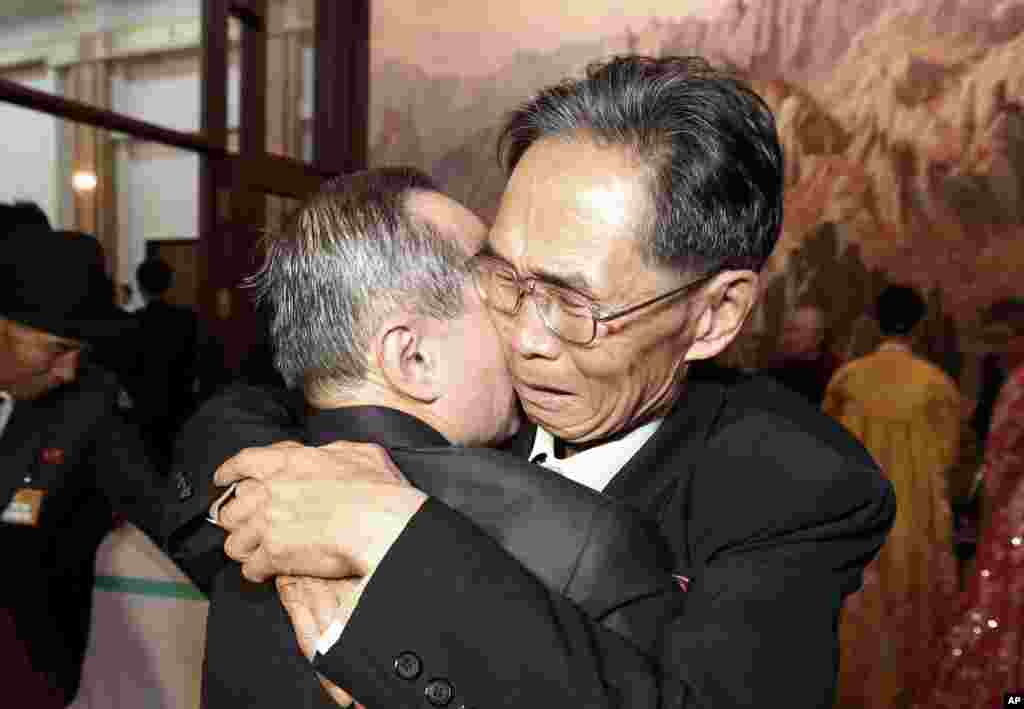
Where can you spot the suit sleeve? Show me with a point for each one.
(242, 416)
(127, 475)
(758, 626)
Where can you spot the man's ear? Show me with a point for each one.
(728, 301)
(406, 361)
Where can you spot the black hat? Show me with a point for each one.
(56, 282)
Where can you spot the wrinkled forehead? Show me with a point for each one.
(572, 206)
(451, 219)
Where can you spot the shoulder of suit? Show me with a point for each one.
(84, 403)
(774, 465)
(760, 397)
(245, 402)
(776, 436)
(93, 383)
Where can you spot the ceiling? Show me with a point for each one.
(11, 10)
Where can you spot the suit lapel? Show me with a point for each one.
(521, 444)
(651, 469)
(666, 457)
(658, 479)
(20, 448)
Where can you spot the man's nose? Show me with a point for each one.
(65, 369)
(530, 337)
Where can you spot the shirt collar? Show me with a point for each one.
(593, 467)
(895, 346)
(6, 409)
(371, 424)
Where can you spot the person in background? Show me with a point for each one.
(804, 362)
(997, 334)
(981, 655)
(68, 461)
(1000, 320)
(162, 384)
(906, 411)
(22, 213)
(643, 201)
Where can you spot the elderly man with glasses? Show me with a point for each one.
(643, 201)
(567, 313)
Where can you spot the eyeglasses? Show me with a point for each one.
(569, 315)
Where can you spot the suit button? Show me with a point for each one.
(408, 666)
(183, 485)
(439, 692)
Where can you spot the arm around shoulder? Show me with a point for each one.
(241, 416)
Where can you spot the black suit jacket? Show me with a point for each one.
(601, 555)
(162, 377)
(772, 510)
(72, 443)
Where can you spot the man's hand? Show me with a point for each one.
(328, 512)
(313, 604)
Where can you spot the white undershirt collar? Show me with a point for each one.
(6, 409)
(594, 467)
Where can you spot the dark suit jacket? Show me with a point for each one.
(601, 555)
(73, 444)
(772, 511)
(164, 371)
(807, 377)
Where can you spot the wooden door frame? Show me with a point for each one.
(232, 186)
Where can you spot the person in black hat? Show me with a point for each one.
(19, 213)
(68, 462)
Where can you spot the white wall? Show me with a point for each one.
(172, 102)
(158, 195)
(107, 15)
(119, 13)
(28, 155)
(157, 191)
(157, 198)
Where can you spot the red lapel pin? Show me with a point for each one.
(53, 456)
(683, 581)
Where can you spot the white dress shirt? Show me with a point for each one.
(6, 409)
(594, 467)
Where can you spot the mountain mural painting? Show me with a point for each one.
(902, 122)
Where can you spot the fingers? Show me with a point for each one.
(260, 463)
(244, 541)
(322, 599)
(339, 695)
(312, 605)
(250, 496)
(293, 597)
(257, 567)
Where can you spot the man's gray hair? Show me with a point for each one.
(345, 260)
(708, 144)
